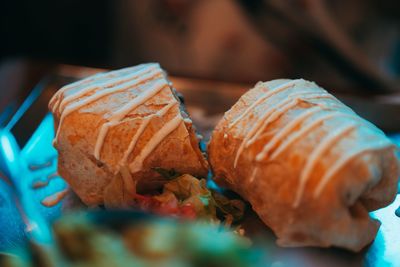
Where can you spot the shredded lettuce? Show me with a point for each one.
(167, 174)
(188, 197)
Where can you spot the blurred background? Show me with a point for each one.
(342, 44)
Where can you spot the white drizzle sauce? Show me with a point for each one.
(56, 98)
(112, 87)
(81, 103)
(106, 84)
(316, 154)
(344, 160)
(263, 97)
(337, 110)
(118, 115)
(306, 129)
(129, 182)
(167, 129)
(270, 115)
(119, 83)
(256, 126)
(73, 86)
(141, 129)
(253, 175)
(277, 113)
(287, 129)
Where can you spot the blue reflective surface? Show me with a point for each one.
(385, 251)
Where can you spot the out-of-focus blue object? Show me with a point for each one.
(41, 157)
(21, 212)
(395, 138)
(11, 225)
(23, 167)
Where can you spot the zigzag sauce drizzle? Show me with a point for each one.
(118, 115)
(102, 93)
(272, 113)
(316, 154)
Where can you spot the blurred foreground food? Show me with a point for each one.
(85, 240)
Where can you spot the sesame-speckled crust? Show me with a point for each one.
(100, 181)
(339, 215)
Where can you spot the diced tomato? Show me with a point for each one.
(187, 211)
(171, 208)
(146, 203)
